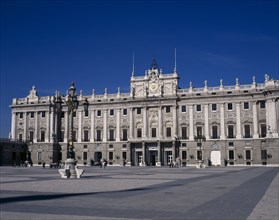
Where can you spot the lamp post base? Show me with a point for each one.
(71, 170)
(200, 164)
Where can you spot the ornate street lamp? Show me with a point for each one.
(72, 103)
(199, 138)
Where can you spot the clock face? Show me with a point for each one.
(153, 87)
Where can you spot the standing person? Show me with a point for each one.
(101, 162)
(44, 164)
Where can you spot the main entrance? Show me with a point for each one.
(215, 155)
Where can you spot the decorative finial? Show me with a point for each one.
(106, 90)
(205, 83)
(266, 76)
(237, 81)
(93, 91)
(154, 64)
(221, 82)
(118, 89)
(133, 68)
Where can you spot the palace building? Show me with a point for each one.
(155, 123)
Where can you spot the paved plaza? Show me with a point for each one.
(141, 193)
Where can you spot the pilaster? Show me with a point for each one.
(105, 126)
(206, 124)
(131, 123)
(191, 123)
(238, 121)
(222, 122)
(255, 121)
(92, 114)
(79, 126)
(117, 124)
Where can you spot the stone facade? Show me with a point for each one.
(157, 122)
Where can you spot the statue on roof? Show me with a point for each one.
(32, 93)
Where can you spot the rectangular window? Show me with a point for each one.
(84, 146)
(31, 114)
(124, 111)
(124, 155)
(215, 132)
(20, 115)
(111, 146)
(184, 132)
(214, 107)
(230, 143)
(168, 132)
(42, 136)
(124, 134)
(183, 108)
(31, 136)
(263, 130)
(20, 137)
(111, 134)
(153, 131)
(99, 135)
(262, 104)
(111, 112)
(62, 114)
(139, 132)
(198, 108)
(230, 131)
(124, 146)
(84, 155)
(184, 155)
(230, 106)
(248, 154)
(167, 109)
(74, 114)
(199, 155)
(43, 114)
(138, 111)
(247, 131)
(264, 154)
(110, 155)
(86, 113)
(85, 135)
(199, 131)
(99, 113)
(246, 105)
(231, 154)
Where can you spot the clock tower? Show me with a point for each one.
(154, 83)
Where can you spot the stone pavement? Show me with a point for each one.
(140, 193)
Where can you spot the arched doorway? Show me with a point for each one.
(215, 156)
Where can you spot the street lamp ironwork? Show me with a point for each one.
(199, 138)
(72, 103)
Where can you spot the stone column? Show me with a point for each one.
(36, 128)
(175, 121)
(191, 122)
(51, 126)
(92, 113)
(13, 126)
(105, 126)
(25, 126)
(131, 124)
(271, 118)
(206, 125)
(160, 122)
(222, 121)
(145, 122)
(66, 133)
(159, 154)
(143, 153)
(238, 121)
(47, 127)
(79, 126)
(117, 124)
(255, 121)
(173, 151)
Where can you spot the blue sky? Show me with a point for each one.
(49, 44)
